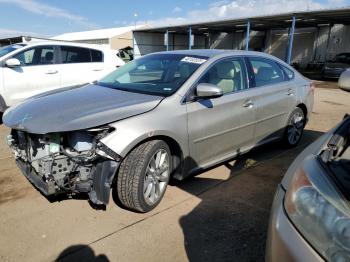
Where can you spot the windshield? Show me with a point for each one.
(158, 74)
(8, 49)
(342, 58)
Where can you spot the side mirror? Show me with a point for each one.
(12, 62)
(205, 90)
(344, 80)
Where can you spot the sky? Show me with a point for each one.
(50, 18)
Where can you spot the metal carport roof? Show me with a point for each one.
(261, 23)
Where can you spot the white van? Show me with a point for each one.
(30, 69)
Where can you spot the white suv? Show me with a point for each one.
(30, 69)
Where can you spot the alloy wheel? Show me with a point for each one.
(295, 128)
(156, 177)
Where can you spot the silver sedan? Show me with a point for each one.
(165, 115)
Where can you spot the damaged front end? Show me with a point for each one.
(67, 162)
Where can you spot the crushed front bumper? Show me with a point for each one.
(47, 188)
(98, 189)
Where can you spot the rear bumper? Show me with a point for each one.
(284, 242)
(332, 73)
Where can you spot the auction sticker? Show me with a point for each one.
(193, 60)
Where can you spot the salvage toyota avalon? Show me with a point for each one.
(165, 115)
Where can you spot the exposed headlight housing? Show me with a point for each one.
(320, 213)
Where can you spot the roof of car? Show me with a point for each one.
(213, 52)
(36, 43)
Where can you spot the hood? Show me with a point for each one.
(337, 65)
(76, 109)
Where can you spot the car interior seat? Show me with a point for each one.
(264, 75)
(184, 71)
(49, 57)
(223, 75)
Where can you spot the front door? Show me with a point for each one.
(38, 73)
(221, 127)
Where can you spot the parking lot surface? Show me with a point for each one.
(219, 215)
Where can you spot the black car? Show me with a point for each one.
(334, 68)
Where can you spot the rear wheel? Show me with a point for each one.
(144, 175)
(295, 128)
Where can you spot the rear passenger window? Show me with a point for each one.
(265, 71)
(96, 56)
(72, 54)
(288, 72)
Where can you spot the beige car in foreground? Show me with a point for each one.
(165, 115)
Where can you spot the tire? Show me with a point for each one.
(3, 105)
(144, 175)
(294, 129)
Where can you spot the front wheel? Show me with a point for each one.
(144, 175)
(295, 128)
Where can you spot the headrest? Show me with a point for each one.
(184, 71)
(264, 73)
(225, 70)
(49, 56)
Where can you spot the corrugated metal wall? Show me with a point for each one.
(145, 43)
(338, 42)
(310, 44)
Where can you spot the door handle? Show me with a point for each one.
(97, 69)
(51, 72)
(249, 104)
(290, 92)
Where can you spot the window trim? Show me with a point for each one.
(253, 74)
(189, 96)
(286, 77)
(55, 57)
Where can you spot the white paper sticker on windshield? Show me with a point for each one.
(193, 60)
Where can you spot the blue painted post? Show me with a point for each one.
(290, 42)
(189, 37)
(247, 36)
(167, 40)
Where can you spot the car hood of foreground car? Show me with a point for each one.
(78, 108)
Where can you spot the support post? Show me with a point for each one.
(189, 37)
(247, 36)
(167, 40)
(290, 42)
(327, 45)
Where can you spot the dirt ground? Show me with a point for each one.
(220, 215)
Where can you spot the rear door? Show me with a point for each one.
(101, 65)
(221, 127)
(76, 66)
(275, 97)
(37, 73)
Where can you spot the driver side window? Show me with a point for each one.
(229, 75)
(41, 55)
